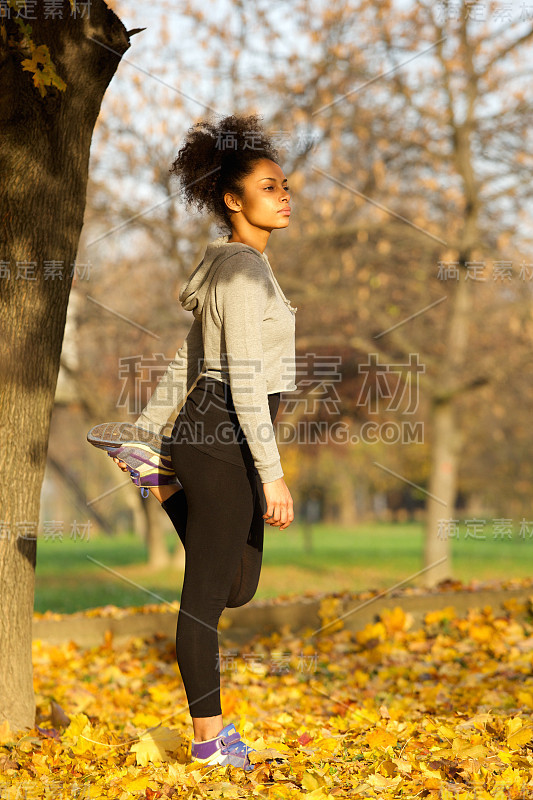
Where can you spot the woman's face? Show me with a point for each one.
(265, 200)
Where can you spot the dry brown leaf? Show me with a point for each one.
(58, 717)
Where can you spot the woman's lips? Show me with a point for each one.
(286, 210)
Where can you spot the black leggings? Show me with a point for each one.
(219, 518)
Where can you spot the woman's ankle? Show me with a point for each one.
(206, 727)
(162, 493)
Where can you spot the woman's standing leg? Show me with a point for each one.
(220, 509)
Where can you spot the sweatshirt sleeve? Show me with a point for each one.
(241, 298)
(174, 386)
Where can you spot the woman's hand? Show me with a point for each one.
(279, 504)
(123, 466)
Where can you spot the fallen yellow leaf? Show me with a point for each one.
(520, 737)
(155, 745)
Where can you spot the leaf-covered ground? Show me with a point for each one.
(443, 711)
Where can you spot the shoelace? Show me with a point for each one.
(234, 744)
(233, 738)
(239, 747)
(135, 474)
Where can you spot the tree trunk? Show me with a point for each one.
(78, 494)
(446, 444)
(443, 491)
(158, 555)
(44, 166)
(447, 441)
(137, 512)
(347, 515)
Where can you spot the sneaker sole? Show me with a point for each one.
(219, 760)
(113, 434)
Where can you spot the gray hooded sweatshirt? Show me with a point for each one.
(243, 334)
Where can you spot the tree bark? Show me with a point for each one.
(307, 533)
(348, 515)
(80, 498)
(440, 505)
(447, 440)
(158, 555)
(44, 165)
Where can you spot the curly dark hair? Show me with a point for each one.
(215, 159)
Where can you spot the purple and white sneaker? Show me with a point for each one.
(147, 469)
(226, 748)
(146, 454)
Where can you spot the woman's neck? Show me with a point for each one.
(257, 238)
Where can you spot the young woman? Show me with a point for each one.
(218, 475)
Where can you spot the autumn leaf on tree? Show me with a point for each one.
(44, 71)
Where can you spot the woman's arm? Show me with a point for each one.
(174, 386)
(241, 296)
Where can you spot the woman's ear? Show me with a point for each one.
(232, 202)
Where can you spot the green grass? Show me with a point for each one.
(370, 556)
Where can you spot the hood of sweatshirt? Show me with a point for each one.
(194, 291)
